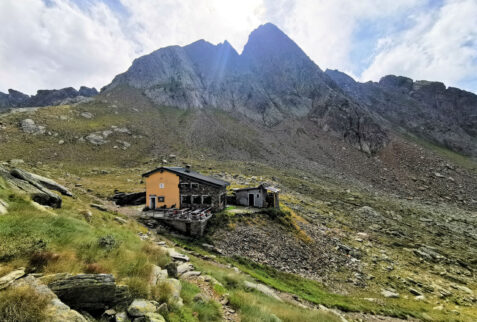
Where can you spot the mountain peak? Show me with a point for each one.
(269, 41)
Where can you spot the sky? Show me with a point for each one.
(46, 44)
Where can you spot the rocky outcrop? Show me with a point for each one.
(56, 311)
(30, 127)
(272, 80)
(445, 116)
(46, 97)
(129, 199)
(24, 181)
(36, 180)
(10, 278)
(91, 292)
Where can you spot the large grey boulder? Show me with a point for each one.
(22, 180)
(91, 292)
(96, 139)
(29, 126)
(36, 179)
(56, 310)
(141, 307)
(129, 199)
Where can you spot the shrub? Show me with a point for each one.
(108, 242)
(156, 254)
(95, 268)
(231, 280)
(208, 311)
(162, 292)
(138, 287)
(22, 304)
(40, 259)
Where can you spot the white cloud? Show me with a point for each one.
(62, 44)
(59, 45)
(325, 29)
(441, 46)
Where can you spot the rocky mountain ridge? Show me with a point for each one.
(45, 97)
(272, 80)
(429, 110)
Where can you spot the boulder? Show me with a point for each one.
(3, 207)
(177, 256)
(56, 310)
(154, 317)
(172, 269)
(389, 294)
(7, 280)
(87, 115)
(28, 126)
(120, 220)
(129, 199)
(190, 274)
(41, 181)
(91, 292)
(157, 274)
(184, 267)
(140, 307)
(22, 180)
(51, 184)
(263, 289)
(99, 207)
(95, 139)
(122, 317)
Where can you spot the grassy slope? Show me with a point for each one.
(82, 163)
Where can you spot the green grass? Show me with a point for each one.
(23, 304)
(64, 242)
(252, 305)
(192, 310)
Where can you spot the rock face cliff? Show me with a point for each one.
(271, 81)
(446, 116)
(45, 97)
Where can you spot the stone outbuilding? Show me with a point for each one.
(262, 196)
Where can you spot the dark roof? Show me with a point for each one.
(191, 174)
(262, 186)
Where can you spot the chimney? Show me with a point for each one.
(187, 168)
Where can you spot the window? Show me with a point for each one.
(206, 200)
(258, 196)
(197, 200)
(185, 199)
(161, 185)
(194, 185)
(184, 185)
(160, 199)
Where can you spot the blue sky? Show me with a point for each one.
(59, 43)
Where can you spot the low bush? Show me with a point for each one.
(162, 292)
(40, 259)
(22, 304)
(138, 287)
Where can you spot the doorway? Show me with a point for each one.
(251, 199)
(152, 202)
